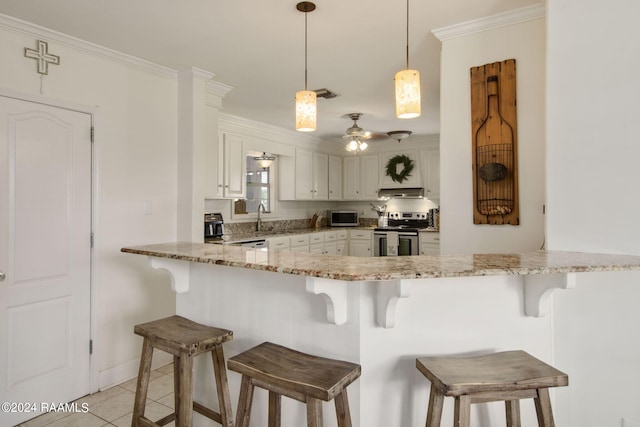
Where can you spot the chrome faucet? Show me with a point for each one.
(264, 210)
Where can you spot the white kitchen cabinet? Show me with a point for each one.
(300, 243)
(429, 243)
(360, 177)
(335, 177)
(311, 175)
(413, 180)
(229, 179)
(430, 163)
(341, 242)
(360, 242)
(280, 242)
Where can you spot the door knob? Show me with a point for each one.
(2, 276)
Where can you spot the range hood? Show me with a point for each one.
(401, 193)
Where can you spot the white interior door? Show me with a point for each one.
(45, 254)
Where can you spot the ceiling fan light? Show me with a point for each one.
(363, 146)
(306, 111)
(352, 145)
(408, 94)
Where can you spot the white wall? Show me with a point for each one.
(524, 41)
(592, 170)
(135, 152)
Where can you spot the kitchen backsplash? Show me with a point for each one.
(284, 225)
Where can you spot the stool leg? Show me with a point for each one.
(434, 412)
(142, 385)
(176, 384)
(314, 413)
(184, 402)
(513, 412)
(342, 409)
(244, 402)
(462, 411)
(275, 413)
(543, 408)
(224, 400)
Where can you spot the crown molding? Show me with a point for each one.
(16, 25)
(493, 22)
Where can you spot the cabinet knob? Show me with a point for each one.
(2, 276)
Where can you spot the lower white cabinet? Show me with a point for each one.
(360, 242)
(281, 242)
(332, 242)
(429, 243)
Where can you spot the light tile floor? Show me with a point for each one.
(114, 406)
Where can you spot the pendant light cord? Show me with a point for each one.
(407, 34)
(305, 50)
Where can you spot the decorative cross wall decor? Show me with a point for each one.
(44, 58)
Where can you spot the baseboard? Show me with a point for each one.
(108, 378)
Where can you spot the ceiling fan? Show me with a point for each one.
(357, 136)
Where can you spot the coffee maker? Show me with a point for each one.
(213, 226)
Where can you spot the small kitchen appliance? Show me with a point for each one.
(400, 236)
(213, 226)
(344, 218)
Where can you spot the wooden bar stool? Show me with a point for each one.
(185, 340)
(508, 376)
(303, 377)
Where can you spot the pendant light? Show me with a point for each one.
(407, 87)
(306, 110)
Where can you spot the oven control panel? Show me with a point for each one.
(408, 215)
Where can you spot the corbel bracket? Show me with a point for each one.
(538, 289)
(178, 271)
(334, 293)
(387, 296)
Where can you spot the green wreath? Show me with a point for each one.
(406, 171)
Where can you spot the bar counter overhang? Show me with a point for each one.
(379, 312)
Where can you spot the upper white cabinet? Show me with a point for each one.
(430, 164)
(413, 178)
(235, 167)
(335, 178)
(229, 177)
(311, 175)
(360, 177)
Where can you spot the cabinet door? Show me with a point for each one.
(330, 248)
(235, 167)
(369, 176)
(431, 172)
(304, 175)
(335, 178)
(320, 176)
(351, 178)
(341, 247)
(360, 248)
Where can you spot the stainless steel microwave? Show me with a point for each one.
(344, 219)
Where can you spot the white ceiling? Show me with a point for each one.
(257, 46)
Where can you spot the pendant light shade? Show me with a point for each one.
(408, 87)
(408, 94)
(306, 110)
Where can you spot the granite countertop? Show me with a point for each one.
(350, 268)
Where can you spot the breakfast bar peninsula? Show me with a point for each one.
(381, 313)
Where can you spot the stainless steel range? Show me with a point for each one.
(400, 236)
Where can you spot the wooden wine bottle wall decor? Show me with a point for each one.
(494, 142)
